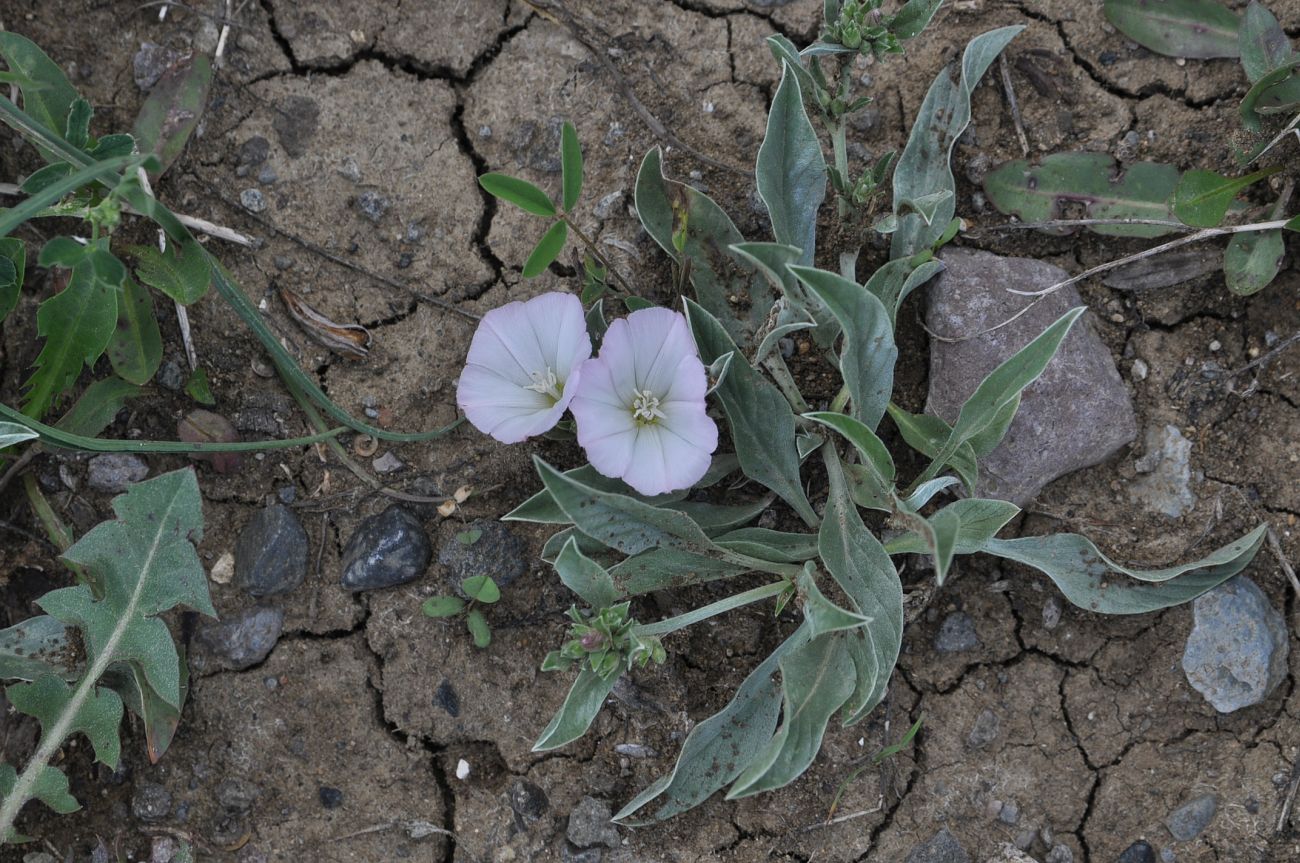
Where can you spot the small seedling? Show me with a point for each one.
(481, 590)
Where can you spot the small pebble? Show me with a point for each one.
(1052, 613)
(372, 205)
(1139, 852)
(462, 770)
(252, 200)
(1187, 821)
(1140, 370)
(271, 553)
(956, 634)
(330, 798)
(114, 472)
(386, 550)
(387, 463)
(350, 169)
(151, 802)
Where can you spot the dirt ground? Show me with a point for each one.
(1095, 734)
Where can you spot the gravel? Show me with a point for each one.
(1236, 654)
(271, 553)
(386, 550)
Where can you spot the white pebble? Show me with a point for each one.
(462, 769)
(1140, 370)
(1216, 346)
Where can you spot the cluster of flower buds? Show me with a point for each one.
(606, 642)
(861, 26)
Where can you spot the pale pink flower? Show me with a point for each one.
(640, 408)
(523, 367)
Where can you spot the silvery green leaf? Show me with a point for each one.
(925, 206)
(596, 324)
(886, 224)
(986, 441)
(585, 577)
(791, 170)
(38, 645)
(926, 491)
(1263, 43)
(825, 49)
(718, 749)
(716, 518)
(1094, 582)
(669, 568)
(862, 568)
(807, 444)
(980, 520)
(717, 371)
(579, 710)
(924, 167)
(50, 787)
(892, 282)
(98, 716)
(823, 615)
(868, 355)
(913, 17)
(867, 490)
(816, 680)
(12, 433)
(1253, 260)
(773, 545)
(159, 719)
(760, 419)
(541, 508)
(588, 546)
(789, 319)
(941, 538)
(875, 455)
(667, 209)
(1194, 29)
(784, 51)
(926, 434)
(773, 260)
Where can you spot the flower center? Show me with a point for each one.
(645, 407)
(545, 383)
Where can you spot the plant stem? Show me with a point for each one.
(595, 253)
(780, 373)
(840, 150)
(841, 400)
(704, 612)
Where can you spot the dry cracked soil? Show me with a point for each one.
(360, 127)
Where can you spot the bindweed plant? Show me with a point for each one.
(1148, 199)
(100, 645)
(643, 410)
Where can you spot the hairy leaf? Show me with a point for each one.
(894, 281)
(979, 521)
(1195, 29)
(579, 710)
(47, 93)
(868, 356)
(1094, 582)
(924, 169)
(670, 568)
(50, 787)
(1264, 44)
(12, 433)
(160, 719)
(791, 171)
(181, 272)
(913, 18)
(1092, 181)
(39, 645)
(927, 434)
(172, 111)
(773, 545)
(49, 697)
(875, 455)
(822, 614)
(760, 419)
(541, 508)
(136, 347)
(772, 260)
(585, 577)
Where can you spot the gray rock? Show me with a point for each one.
(112, 472)
(1139, 851)
(237, 795)
(1059, 854)
(1010, 813)
(252, 200)
(942, 847)
(1052, 613)
(349, 169)
(386, 550)
(271, 553)
(1237, 652)
(538, 146)
(252, 153)
(1166, 482)
(170, 377)
(497, 552)
(267, 176)
(589, 824)
(528, 801)
(372, 205)
(295, 122)
(1080, 392)
(151, 802)
(956, 633)
(238, 641)
(984, 731)
(1187, 821)
(150, 63)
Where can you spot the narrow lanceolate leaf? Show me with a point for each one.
(143, 563)
(97, 407)
(784, 51)
(669, 569)
(585, 577)
(548, 248)
(136, 347)
(875, 455)
(941, 533)
(49, 697)
(913, 18)
(772, 260)
(1202, 197)
(579, 710)
(571, 166)
(1264, 44)
(1092, 181)
(927, 434)
(924, 168)
(1094, 582)
(893, 282)
(47, 93)
(791, 171)
(1275, 92)
(729, 287)
(760, 419)
(773, 545)
(719, 748)
(521, 193)
(1195, 29)
(979, 521)
(816, 680)
(987, 405)
(181, 272)
(38, 645)
(1252, 260)
(862, 568)
(541, 508)
(77, 324)
(173, 109)
(13, 267)
(868, 356)
(12, 433)
(822, 614)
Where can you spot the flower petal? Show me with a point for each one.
(661, 341)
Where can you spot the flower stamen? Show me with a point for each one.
(545, 383)
(645, 407)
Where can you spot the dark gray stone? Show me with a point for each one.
(151, 802)
(942, 847)
(237, 796)
(252, 200)
(528, 801)
(330, 798)
(956, 633)
(295, 123)
(1236, 654)
(372, 205)
(590, 825)
(497, 553)
(1074, 416)
(1187, 821)
(170, 377)
(537, 146)
(1165, 271)
(252, 153)
(113, 472)
(445, 697)
(238, 641)
(984, 731)
(386, 550)
(271, 554)
(1059, 854)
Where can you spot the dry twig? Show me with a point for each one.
(1010, 92)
